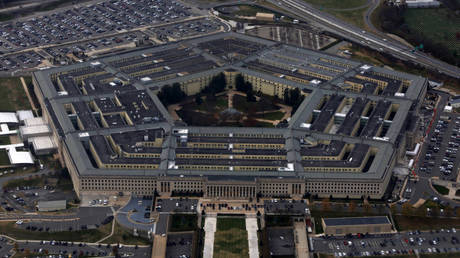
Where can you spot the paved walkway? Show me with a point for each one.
(210, 226)
(253, 244)
(300, 239)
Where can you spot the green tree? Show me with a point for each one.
(198, 100)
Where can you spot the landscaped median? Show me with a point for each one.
(441, 189)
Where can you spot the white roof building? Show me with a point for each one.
(34, 121)
(42, 144)
(24, 114)
(32, 131)
(8, 118)
(19, 157)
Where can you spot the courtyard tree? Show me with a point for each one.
(198, 99)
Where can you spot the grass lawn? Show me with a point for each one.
(90, 235)
(334, 7)
(334, 4)
(231, 238)
(4, 140)
(437, 24)
(211, 106)
(355, 17)
(14, 97)
(441, 189)
(183, 222)
(4, 160)
(125, 236)
(424, 223)
(277, 115)
(241, 104)
(248, 10)
(25, 182)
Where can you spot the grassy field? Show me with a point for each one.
(183, 222)
(334, 4)
(441, 189)
(240, 103)
(125, 236)
(424, 223)
(14, 97)
(277, 115)
(339, 9)
(437, 24)
(4, 160)
(4, 140)
(91, 235)
(231, 238)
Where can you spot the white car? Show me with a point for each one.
(19, 222)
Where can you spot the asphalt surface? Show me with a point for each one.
(83, 249)
(421, 189)
(445, 241)
(357, 35)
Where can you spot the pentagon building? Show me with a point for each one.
(115, 135)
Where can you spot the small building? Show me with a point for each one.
(19, 157)
(422, 3)
(52, 205)
(455, 102)
(34, 121)
(34, 131)
(8, 118)
(42, 145)
(265, 16)
(24, 114)
(355, 225)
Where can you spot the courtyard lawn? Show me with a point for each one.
(14, 97)
(241, 104)
(277, 115)
(231, 238)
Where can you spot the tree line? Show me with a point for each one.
(391, 19)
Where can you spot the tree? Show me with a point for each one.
(240, 83)
(198, 100)
(171, 94)
(367, 207)
(352, 206)
(250, 96)
(325, 204)
(407, 209)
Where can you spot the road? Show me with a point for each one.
(371, 40)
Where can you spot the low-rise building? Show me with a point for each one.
(355, 225)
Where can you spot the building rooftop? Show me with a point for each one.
(350, 221)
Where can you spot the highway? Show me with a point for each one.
(357, 35)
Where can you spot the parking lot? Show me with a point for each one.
(186, 29)
(442, 241)
(85, 218)
(285, 207)
(6, 247)
(179, 245)
(82, 249)
(88, 21)
(441, 158)
(176, 205)
(281, 241)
